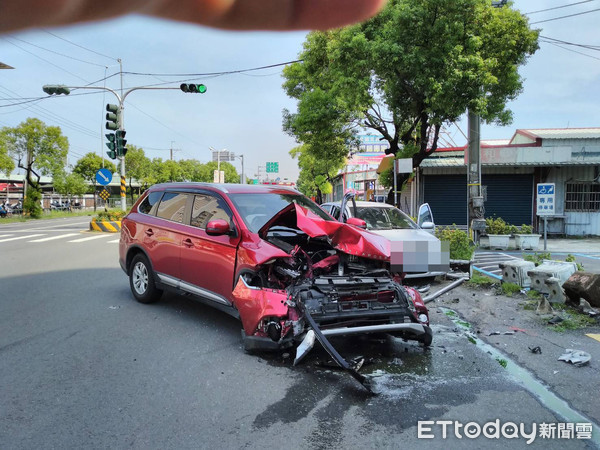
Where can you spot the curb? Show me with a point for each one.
(105, 226)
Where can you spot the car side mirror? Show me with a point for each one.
(357, 222)
(217, 227)
(428, 226)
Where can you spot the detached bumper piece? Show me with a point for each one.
(316, 333)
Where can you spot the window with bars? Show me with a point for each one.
(582, 197)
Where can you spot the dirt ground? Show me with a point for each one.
(488, 311)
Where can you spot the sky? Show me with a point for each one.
(243, 112)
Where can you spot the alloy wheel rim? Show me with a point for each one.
(140, 278)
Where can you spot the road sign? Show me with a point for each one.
(255, 181)
(104, 194)
(272, 167)
(546, 199)
(219, 176)
(103, 176)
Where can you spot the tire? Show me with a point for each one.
(141, 281)
(427, 339)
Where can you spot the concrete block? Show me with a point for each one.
(556, 293)
(548, 269)
(516, 272)
(583, 285)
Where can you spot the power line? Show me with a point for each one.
(556, 7)
(570, 50)
(564, 17)
(45, 60)
(228, 72)
(77, 45)
(590, 47)
(57, 53)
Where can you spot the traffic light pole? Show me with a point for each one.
(121, 98)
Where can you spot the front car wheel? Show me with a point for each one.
(141, 281)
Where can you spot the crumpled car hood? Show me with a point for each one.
(343, 237)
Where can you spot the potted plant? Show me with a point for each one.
(526, 240)
(498, 232)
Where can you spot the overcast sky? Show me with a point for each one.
(242, 112)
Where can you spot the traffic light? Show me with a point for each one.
(121, 142)
(112, 146)
(56, 89)
(193, 88)
(112, 117)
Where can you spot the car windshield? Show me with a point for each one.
(257, 209)
(385, 218)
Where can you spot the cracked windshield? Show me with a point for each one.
(367, 224)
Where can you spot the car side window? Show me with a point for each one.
(150, 203)
(207, 208)
(172, 206)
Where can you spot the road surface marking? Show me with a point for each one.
(88, 238)
(4, 235)
(55, 237)
(20, 237)
(116, 241)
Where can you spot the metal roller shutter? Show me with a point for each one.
(447, 196)
(508, 196)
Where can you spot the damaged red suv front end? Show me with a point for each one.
(272, 258)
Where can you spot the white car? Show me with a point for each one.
(418, 253)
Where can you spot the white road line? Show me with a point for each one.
(116, 241)
(91, 238)
(55, 237)
(4, 235)
(20, 237)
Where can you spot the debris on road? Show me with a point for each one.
(544, 307)
(555, 320)
(536, 349)
(586, 308)
(497, 333)
(575, 357)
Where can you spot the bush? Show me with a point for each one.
(497, 226)
(461, 246)
(571, 258)
(112, 215)
(509, 289)
(526, 229)
(32, 205)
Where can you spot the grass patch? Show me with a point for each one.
(46, 215)
(531, 293)
(480, 280)
(472, 340)
(530, 305)
(573, 320)
(502, 362)
(509, 289)
(463, 323)
(450, 313)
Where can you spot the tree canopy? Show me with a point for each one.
(405, 73)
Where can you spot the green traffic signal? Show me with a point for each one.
(57, 89)
(112, 117)
(193, 88)
(121, 142)
(111, 144)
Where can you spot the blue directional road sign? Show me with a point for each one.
(103, 176)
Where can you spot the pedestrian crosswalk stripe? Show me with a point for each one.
(89, 238)
(51, 238)
(20, 237)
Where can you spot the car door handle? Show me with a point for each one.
(149, 232)
(188, 243)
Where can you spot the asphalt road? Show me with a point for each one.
(83, 365)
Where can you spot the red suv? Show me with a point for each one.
(272, 258)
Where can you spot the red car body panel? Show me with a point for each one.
(256, 304)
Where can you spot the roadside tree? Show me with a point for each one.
(139, 167)
(418, 65)
(72, 184)
(40, 150)
(88, 165)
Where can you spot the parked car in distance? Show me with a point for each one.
(421, 254)
(269, 256)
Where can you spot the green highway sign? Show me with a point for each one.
(272, 167)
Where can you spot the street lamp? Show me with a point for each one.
(243, 175)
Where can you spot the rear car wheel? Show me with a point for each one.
(141, 281)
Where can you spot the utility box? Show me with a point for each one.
(548, 269)
(516, 272)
